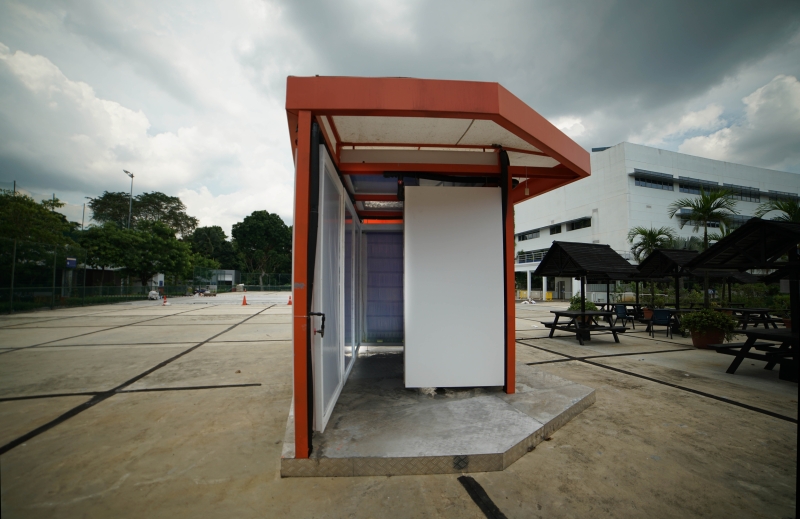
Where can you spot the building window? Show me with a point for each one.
(530, 235)
(743, 193)
(782, 195)
(531, 256)
(695, 186)
(655, 184)
(579, 224)
(556, 229)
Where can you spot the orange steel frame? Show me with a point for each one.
(312, 97)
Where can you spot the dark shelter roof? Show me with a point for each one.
(584, 259)
(743, 278)
(665, 262)
(756, 244)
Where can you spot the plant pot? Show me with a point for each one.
(787, 323)
(647, 313)
(703, 339)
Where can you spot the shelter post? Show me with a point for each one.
(300, 282)
(637, 292)
(794, 290)
(608, 294)
(508, 224)
(529, 285)
(583, 295)
(677, 291)
(544, 288)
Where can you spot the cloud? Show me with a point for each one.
(68, 138)
(768, 135)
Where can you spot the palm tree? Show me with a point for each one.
(714, 206)
(644, 241)
(789, 208)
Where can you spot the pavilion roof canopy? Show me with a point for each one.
(758, 244)
(595, 261)
(665, 262)
(420, 127)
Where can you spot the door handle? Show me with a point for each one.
(321, 330)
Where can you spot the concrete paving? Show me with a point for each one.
(188, 433)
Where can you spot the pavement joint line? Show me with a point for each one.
(186, 388)
(607, 355)
(481, 498)
(670, 384)
(96, 399)
(51, 395)
(145, 390)
(85, 334)
(151, 343)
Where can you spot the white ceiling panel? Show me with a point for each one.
(400, 130)
(423, 156)
(486, 133)
(524, 159)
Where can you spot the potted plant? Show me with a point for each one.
(708, 327)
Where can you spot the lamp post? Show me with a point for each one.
(130, 200)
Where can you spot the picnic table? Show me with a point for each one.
(754, 315)
(781, 348)
(583, 323)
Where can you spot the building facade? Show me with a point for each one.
(633, 185)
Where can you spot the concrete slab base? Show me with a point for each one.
(380, 428)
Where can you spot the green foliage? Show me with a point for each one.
(265, 243)
(212, 243)
(575, 304)
(147, 207)
(781, 305)
(707, 319)
(152, 248)
(21, 218)
(102, 245)
(645, 240)
(790, 210)
(197, 260)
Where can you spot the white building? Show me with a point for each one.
(633, 185)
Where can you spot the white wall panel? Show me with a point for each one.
(454, 310)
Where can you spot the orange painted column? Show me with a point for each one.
(300, 293)
(511, 337)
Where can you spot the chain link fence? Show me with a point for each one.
(38, 275)
(221, 281)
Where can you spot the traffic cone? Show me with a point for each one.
(244, 301)
(165, 301)
(290, 300)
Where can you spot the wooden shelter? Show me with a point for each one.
(585, 260)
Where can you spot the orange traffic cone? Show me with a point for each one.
(244, 301)
(290, 300)
(165, 301)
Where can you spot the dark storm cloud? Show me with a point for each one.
(557, 56)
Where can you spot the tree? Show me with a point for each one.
(212, 242)
(102, 244)
(147, 207)
(644, 241)
(690, 243)
(714, 206)
(790, 209)
(265, 243)
(152, 248)
(21, 218)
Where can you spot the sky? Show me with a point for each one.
(189, 95)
